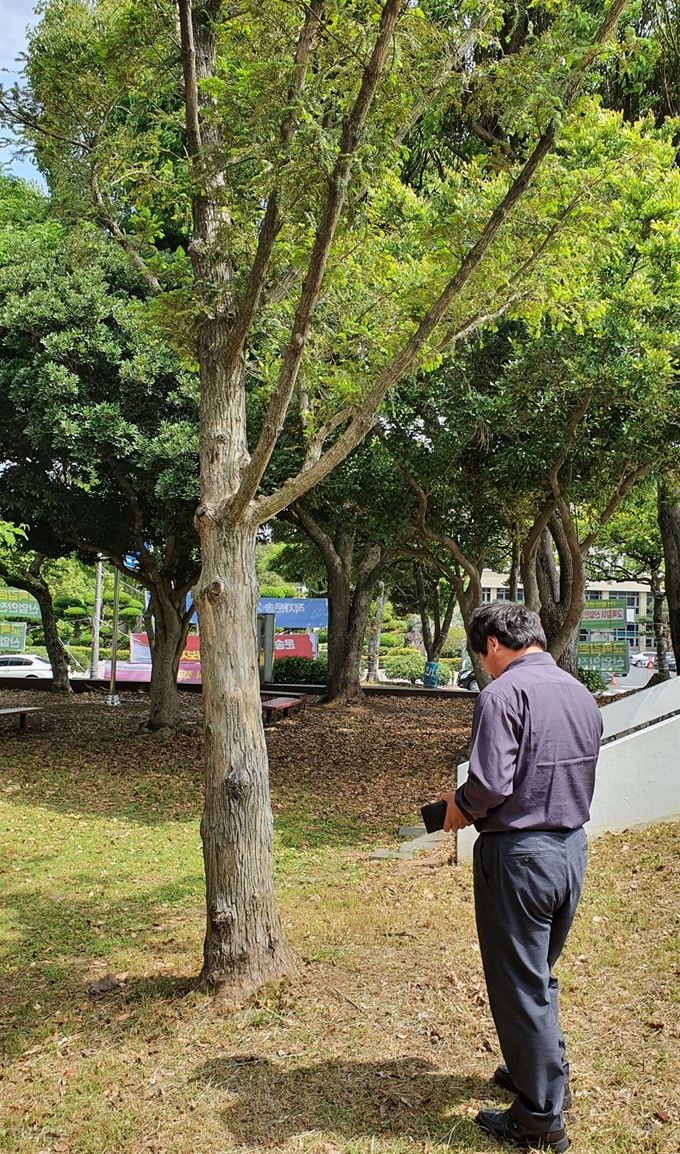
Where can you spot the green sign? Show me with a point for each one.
(12, 636)
(18, 603)
(599, 615)
(605, 656)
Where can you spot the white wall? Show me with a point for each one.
(638, 776)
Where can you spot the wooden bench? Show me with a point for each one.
(20, 711)
(281, 705)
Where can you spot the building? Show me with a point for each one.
(638, 598)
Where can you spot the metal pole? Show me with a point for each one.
(112, 697)
(94, 656)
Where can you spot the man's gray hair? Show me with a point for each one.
(511, 624)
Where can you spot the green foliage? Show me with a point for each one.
(300, 671)
(391, 640)
(454, 640)
(407, 666)
(278, 591)
(592, 679)
(83, 383)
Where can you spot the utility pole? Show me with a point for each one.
(96, 618)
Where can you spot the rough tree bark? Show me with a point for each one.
(351, 582)
(375, 633)
(556, 591)
(669, 524)
(435, 634)
(33, 582)
(167, 621)
(244, 943)
(659, 597)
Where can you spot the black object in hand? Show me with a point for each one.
(434, 815)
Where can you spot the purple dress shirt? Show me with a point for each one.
(535, 741)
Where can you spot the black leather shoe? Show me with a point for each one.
(502, 1078)
(503, 1125)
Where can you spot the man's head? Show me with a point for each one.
(503, 631)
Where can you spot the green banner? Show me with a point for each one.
(18, 603)
(599, 615)
(12, 636)
(605, 656)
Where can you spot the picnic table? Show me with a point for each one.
(20, 711)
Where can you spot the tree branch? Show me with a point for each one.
(335, 198)
(404, 360)
(188, 58)
(271, 224)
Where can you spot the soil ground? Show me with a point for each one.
(383, 1043)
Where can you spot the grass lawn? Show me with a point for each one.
(383, 1043)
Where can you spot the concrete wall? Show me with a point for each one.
(638, 774)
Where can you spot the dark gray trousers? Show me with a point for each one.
(527, 887)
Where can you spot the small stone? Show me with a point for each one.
(104, 985)
(411, 831)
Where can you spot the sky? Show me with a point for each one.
(15, 16)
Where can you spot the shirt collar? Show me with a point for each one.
(530, 659)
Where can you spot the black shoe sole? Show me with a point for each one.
(525, 1141)
(506, 1083)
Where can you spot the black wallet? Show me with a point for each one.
(433, 816)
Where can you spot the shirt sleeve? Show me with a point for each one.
(493, 758)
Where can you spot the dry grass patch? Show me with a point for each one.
(383, 1044)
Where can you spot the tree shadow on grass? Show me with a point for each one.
(400, 1097)
(60, 945)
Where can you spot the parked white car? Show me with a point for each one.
(646, 660)
(24, 665)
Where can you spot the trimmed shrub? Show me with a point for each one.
(323, 637)
(391, 640)
(76, 611)
(451, 647)
(277, 592)
(407, 666)
(592, 680)
(300, 671)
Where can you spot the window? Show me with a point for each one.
(594, 595)
(18, 661)
(502, 594)
(486, 596)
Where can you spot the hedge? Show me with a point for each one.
(300, 671)
(391, 640)
(278, 592)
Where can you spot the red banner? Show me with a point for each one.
(293, 645)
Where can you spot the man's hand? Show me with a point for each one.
(454, 819)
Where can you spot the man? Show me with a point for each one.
(535, 741)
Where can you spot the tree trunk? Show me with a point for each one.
(32, 581)
(244, 942)
(435, 634)
(343, 684)
(374, 639)
(55, 650)
(659, 631)
(168, 638)
(669, 523)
